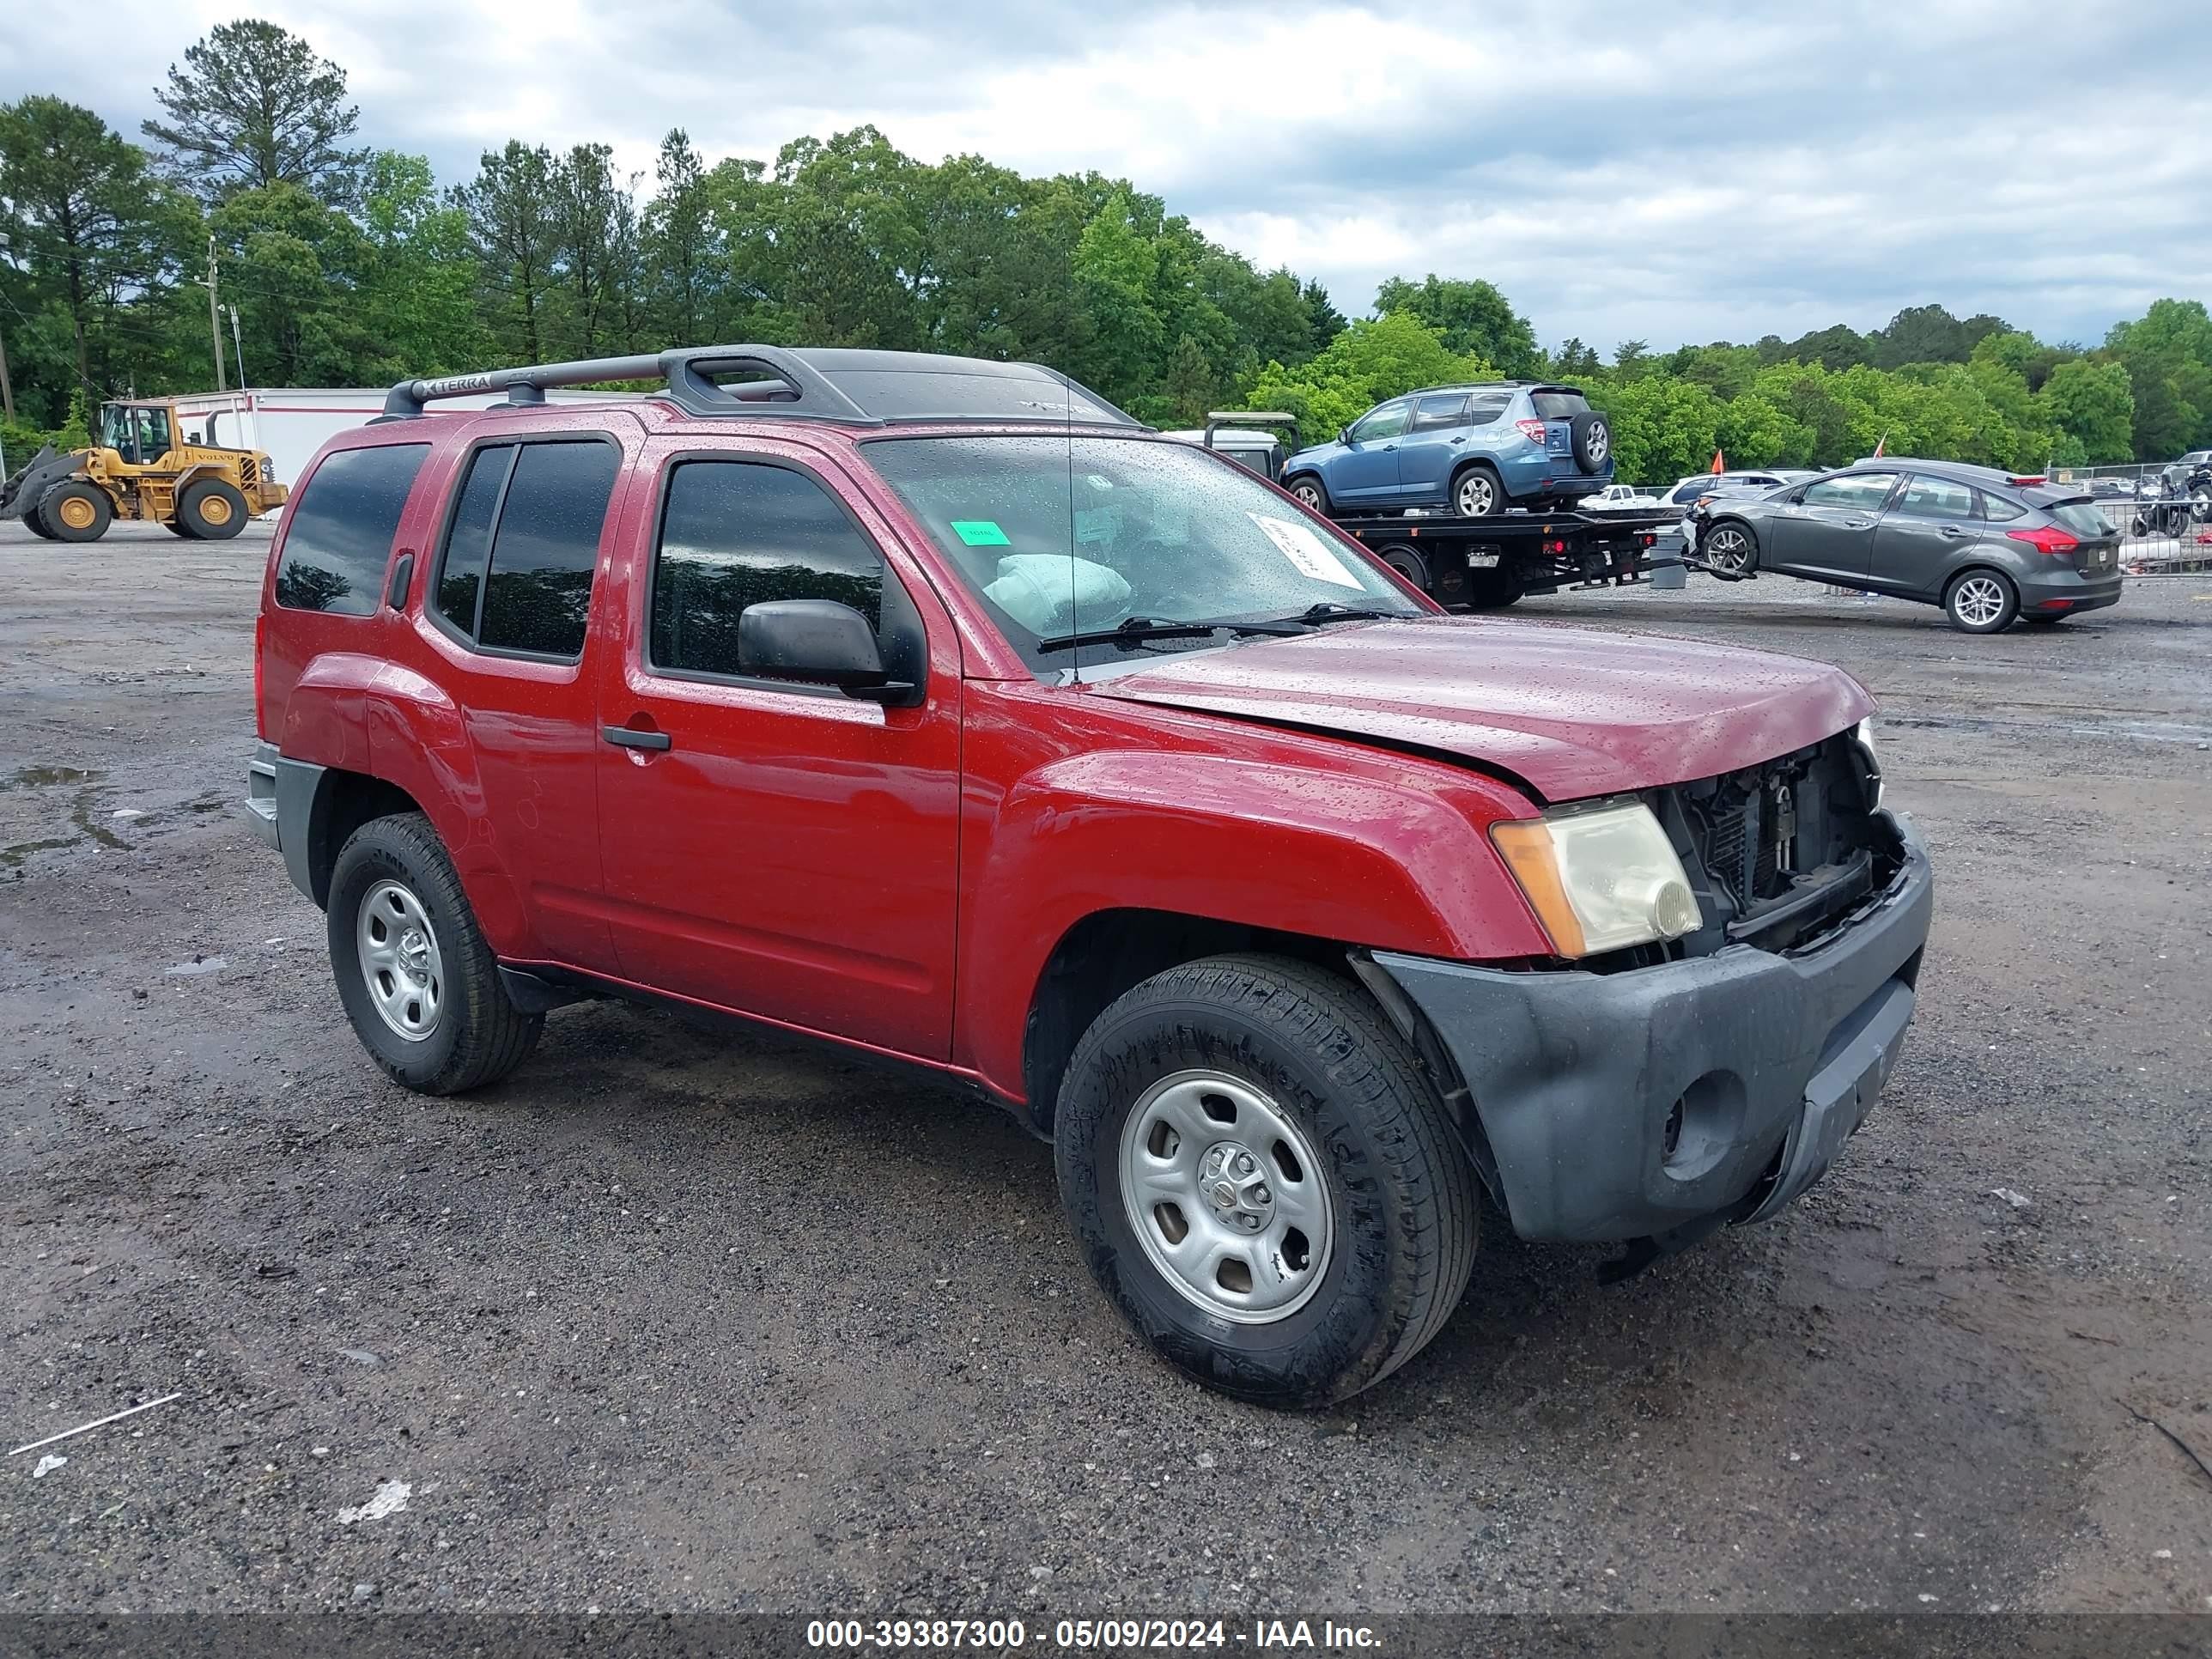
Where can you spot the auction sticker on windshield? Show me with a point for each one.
(980, 532)
(1312, 556)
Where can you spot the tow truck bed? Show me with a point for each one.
(1485, 564)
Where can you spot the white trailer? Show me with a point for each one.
(293, 422)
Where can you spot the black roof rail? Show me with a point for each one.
(849, 386)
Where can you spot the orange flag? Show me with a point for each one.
(1720, 463)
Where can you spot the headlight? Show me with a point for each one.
(1863, 735)
(1600, 878)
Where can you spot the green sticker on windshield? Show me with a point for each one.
(980, 532)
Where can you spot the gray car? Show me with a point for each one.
(1990, 547)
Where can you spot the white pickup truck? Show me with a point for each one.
(1619, 498)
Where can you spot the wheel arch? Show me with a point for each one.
(1469, 464)
(1111, 951)
(344, 801)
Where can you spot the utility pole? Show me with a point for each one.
(214, 323)
(238, 350)
(7, 391)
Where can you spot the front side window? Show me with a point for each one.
(523, 543)
(339, 536)
(1064, 536)
(1387, 422)
(1861, 492)
(738, 533)
(1936, 498)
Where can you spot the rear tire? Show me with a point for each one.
(1477, 492)
(1322, 1110)
(1407, 562)
(32, 523)
(1981, 602)
(1493, 590)
(76, 510)
(211, 511)
(1309, 490)
(435, 1017)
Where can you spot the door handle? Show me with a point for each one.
(1389, 446)
(625, 737)
(1858, 523)
(1461, 439)
(1953, 531)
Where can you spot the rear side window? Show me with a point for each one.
(1433, 414)
(516, 574)
(1486, 406)
(339, 537)
(735, 533)
(1998, 510)
(1559, 405)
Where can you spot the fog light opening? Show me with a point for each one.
(1702, 1126)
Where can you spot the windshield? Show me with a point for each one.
(1061, 536)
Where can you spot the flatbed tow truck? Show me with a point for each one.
(1479, 564)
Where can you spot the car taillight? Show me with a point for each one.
(1532, 430)
(2046, 540)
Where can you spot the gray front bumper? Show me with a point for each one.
(1773, 1062)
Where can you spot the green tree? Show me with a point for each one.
(514, 221)
(80, 215)
(418, 277)
(253, 106)
(2094, 404)
(1473, 316)
(296, 265)
(681, 248)
(1116, 268)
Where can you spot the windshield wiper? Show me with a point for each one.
(1329, 611)
(1131, 629)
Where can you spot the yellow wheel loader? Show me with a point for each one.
(150, 464)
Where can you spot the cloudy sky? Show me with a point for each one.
(1654, 171)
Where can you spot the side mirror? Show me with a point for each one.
(814, 639)
(1344, 434)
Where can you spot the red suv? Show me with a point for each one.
(935, 707)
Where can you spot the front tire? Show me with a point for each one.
(1263, 1180)
(1981, 602)
(1309, 490)
(77, 511)
(1477, 493)
(1728, 548)
(418, 982)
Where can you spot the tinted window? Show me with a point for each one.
(1486, 406)
(546, 547)
(1685, 493)
(339, 537)
(1387, 422)
(2083, 518)
(1864, 491)
(1999, 510)
(1432, 414)
(1937, 498)
(468, 543)
(1559, 405)
(735, 533)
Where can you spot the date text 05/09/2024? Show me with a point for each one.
(1090, 1635)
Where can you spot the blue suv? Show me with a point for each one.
(1477, 450)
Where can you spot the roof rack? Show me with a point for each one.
(851, 387)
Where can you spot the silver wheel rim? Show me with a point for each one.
(400, 961)
(1978, 601)
(1599, 444)
(1475, 495)
(1227, 1197)
(1307, 493)
(1726, 550)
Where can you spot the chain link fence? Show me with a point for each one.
(2164, 524)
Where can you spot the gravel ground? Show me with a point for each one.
(670, 1320)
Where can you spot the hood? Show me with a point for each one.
(1572, 712)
